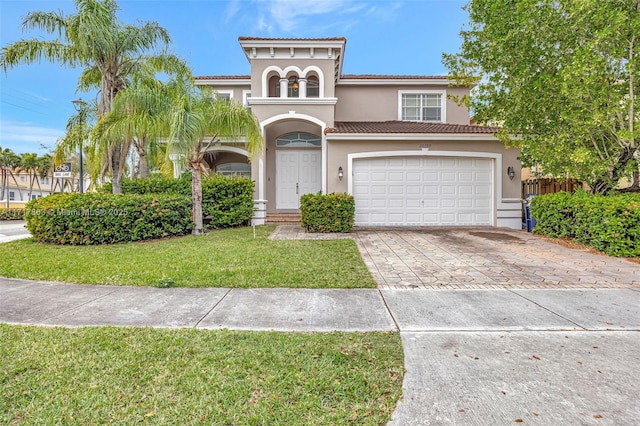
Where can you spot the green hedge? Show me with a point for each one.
(226, 201)
(610, 224)
(105, 218)
(327, 213)
(11, 214)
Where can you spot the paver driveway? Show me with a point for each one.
(468, 258)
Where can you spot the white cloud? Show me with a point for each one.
(21, 136)
(233, 7)
(290, 15)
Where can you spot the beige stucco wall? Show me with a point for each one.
(380, 103)
(337, 152)
(324, 113)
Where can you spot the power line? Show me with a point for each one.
(28, 109)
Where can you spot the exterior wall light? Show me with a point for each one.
(511, 172)
(340, 173)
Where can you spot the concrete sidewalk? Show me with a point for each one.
(11, 230)
(47, 303)
(472, 357)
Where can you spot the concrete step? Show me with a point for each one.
(282, 218)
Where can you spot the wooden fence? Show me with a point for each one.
(548, 186)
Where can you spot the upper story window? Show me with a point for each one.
(224, 94)
(297, 83)
(274, 86)
(313, 87)
(298, 140)
(246, 94)
(422, 105)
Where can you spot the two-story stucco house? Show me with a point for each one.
(399, 144)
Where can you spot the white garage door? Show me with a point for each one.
(414, 191)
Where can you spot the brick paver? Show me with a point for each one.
(477, 258)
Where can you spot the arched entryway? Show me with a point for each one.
(294, 158)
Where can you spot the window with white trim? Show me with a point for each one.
(422, 106)
(313, 87)
(12, 196)
(246, 94)
(224, 94)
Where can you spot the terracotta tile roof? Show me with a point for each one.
(406, 127)
(223, 77)
(244, 38)
(393, 77)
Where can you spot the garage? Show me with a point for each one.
(423, 191)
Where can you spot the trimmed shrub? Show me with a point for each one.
(105, 218)
(610, 224)
(155, 184)
(11, 214)
(226, 201)
(327, 213)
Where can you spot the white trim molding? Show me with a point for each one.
(293, 101)
(443, 103)
(224, 92)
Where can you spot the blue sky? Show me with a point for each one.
(383, 37)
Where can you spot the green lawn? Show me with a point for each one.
(106, 375)
(224, 258)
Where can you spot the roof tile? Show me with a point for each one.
(406, 127)
(223, 77)
(393, 77)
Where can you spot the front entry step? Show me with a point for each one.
(283, 218)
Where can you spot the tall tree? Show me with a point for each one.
(29, 163)
(139, 115)
(9, 161)
(79, 136)
(561, 77)
(198, 119)
(108, 50)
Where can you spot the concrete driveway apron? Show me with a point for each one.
(502, 327)
(494, 258)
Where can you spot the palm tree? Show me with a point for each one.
(29, 163)
(109, 51)
(8, 161)
(79, 129)
(138, 114)
(198, 119)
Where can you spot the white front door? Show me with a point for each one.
(298, 172)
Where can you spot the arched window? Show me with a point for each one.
(274, 86)
(313, 87)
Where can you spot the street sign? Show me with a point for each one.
(62, 171)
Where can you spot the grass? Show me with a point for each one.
(224, 258)
(106, 375)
